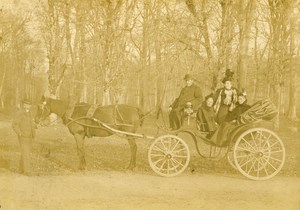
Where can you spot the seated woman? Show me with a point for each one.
(241, 107)
(206, 116)
(220, 138)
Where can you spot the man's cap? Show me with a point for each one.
(26, 101)
(188, 77)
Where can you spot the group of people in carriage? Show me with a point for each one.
(218, 110)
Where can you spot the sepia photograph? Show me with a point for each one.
(149, 104)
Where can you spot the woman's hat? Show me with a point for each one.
(243, 93)
(188, 77)
(209, 96)
(228, 76)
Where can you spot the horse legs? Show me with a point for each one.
(133, 149)
(80, 150)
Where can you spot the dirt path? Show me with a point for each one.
(117, 190)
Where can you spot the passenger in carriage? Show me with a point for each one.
(220, 137)
(206, 116)
(192, 94)
(241, 107)
(225, 98)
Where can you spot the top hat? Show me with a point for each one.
(188, 77)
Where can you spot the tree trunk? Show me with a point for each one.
(244, 22)
(292, 113)
(143, 96)
(80, 24)
(160, 73)
(106, 100)
(224, 43)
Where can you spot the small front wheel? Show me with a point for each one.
(168, 155)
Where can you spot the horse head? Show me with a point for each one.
(43, 110)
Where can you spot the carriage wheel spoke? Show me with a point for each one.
(267, 161)
(244, 149)
(169, 144)
(278, 160)
(176, 151)
(177, 142)
(156, 148)
(176, 161)
(179, 156)
(249, 144)
(163, 144)
(157, 155)
(243, 156)
(260, 139)
(266, 141)
(162, 165)
(175, 168)
(263, 165)
(274, 144)
(158, 161)
(254, 140)
(253, 164)
(258, 169)
(275, 151)
(246, 162)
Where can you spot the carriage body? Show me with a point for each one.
(253, 148)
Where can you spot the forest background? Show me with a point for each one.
(137, 51)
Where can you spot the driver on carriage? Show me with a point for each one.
(190, 94)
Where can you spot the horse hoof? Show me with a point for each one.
(82, 168)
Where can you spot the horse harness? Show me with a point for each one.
(117, 116)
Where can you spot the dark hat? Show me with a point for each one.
(243, 93)
(188, 77)
(26, 101)
(228, 75)
(227, 79)
(209, 96)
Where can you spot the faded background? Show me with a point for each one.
(137, 52)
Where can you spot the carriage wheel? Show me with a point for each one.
(168, 155)
(259, 154)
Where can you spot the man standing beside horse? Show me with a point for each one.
(192, 94)
(24, 127)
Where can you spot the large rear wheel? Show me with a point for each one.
(259, 154)
(168, 155)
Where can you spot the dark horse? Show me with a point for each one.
(82, 122)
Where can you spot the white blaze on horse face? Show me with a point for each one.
(189, 82)
(209, 102)
(26, 107)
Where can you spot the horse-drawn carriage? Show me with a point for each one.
(251, 147)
